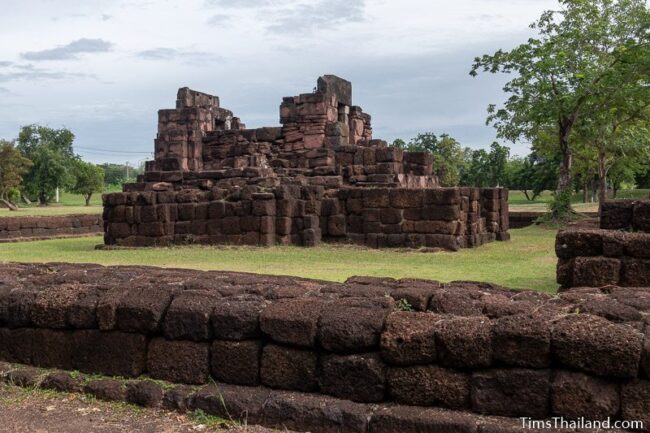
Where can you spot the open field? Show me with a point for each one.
(527, 261)
(69, 204)
(518, 201)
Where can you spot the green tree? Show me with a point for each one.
(88, 179)
(13, 165)
(584, 54)
(52, 155)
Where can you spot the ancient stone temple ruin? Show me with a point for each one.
(318, 176)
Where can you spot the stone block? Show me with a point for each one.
(635, 401)
(288, 368)
(188, 316)
(595, 345)
(464, 342)
(292, 321)
(409, 338)
(576, 395)
(522, 340)
(576, 243)
(353, 324)
(429, 385)
(110, 353)
(596, 271)
(144, 393)
(142, 309)
(236, 362)
(237, 319)
(360, 378)
(511, 392)
(178, 361)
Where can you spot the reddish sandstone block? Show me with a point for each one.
(376, 198)
(441, 213)
(360, 378)
(641, 216)
(144, 393)
(429, 386)
(406, 198)
(236, 362)
(442, 196)
(287, 368)
(178, 361)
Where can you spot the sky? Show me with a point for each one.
(103, 68)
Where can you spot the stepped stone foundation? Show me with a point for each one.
(27, 228)
(615, 252)
(319, 176)
(371, 354)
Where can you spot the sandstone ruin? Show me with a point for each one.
(318, 176)
(615, 253)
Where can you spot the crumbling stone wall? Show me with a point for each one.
(617, 253)
(468, 347)
(449, 218)
(32, 228)
(320, 175)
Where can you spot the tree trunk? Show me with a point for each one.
(25, 199)
(585, 193)
(564, 180)
(526, 194)
(602, 178)
(42, 199)
(9, 204)
(87, 197)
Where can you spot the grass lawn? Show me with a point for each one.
(69, 204)
(517, 201)
(527, 261)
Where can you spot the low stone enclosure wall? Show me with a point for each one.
(615, 253)
(372, 354)
(520, 219)
(449, 218)
(27, 228)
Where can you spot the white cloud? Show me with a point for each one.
(70, 51)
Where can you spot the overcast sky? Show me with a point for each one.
(104, 68)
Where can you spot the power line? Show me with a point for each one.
(120, 152)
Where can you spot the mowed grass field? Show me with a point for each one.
(527, 261)
(517, 201)
(69, 204)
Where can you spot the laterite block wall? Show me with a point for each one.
(449, 218)
(617, 253)
(467, 347)
(31, 228)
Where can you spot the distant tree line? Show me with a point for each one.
(455, 165)
(42, 160)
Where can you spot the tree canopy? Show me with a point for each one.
(587, 59)
(89, 179)
(13, 165)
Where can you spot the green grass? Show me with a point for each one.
(517, 201)
(69, 204)
(527, 261)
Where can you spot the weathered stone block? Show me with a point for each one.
(188, 316)
(236, 362)
(353, 324)
(409, 338)
(429, 386)
(237, 319)
(110, 353)
(287, 368)
(597, 346)
(178, 361)
(522, 340)
(464, 342)
(360, 378)
(293, 321)
(575, 395)
(512, 392)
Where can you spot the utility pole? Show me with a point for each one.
(127, 171)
